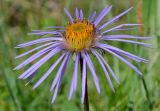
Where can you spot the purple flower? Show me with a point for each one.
(81, 38)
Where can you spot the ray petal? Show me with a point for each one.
(102, 14)
(38, 41)
(127, 54)
(114, 19)
(91, 67)
(34, 67)
(32, 50)
(56, 91)
(119, 26)
(55, 27)
(109, 68)
(48, 72)
(31, 77)
(132, 42)
(77, 13)
(44, 32)
(60, 78)
(92, 16)
(123, 29)
(58, 75)
(123, 59)
(74, 77)
(35, 56)
(105, 71)
(69, 15)
(124, 37)
(81, 14)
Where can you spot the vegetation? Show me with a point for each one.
(135, 93)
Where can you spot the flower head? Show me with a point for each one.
(83, 38)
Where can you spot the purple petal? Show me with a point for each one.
(105, 71)
(65, 65)
(83, 80)
(77, 13)
(91, 67)
(56, 91)
(48, 72)
(69, 15)
(119, 26)
(122, 29)
(35, 56)
(114, 19)
(110, 70)
(102, 14)
(71, 91)
(30, 78)
(81, 14)
(30, 51)
(37, 41)
(127, 54)
(74, 77)
(92, 16)
(59, 80)
(124, 60)
(43, 32)
(57, 27)
(132, 42)
(76, 71)
(58, 75)
(124, 36)
(34, 67)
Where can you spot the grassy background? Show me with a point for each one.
(18, 17)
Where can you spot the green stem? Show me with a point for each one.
(147, 93)
(86, 100)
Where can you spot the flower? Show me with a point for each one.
(81, 38)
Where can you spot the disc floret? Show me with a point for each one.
(79, 35)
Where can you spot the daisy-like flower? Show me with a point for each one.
(81, 38)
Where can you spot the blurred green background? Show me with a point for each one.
(18, 17)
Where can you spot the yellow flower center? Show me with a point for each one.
(79, 35)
